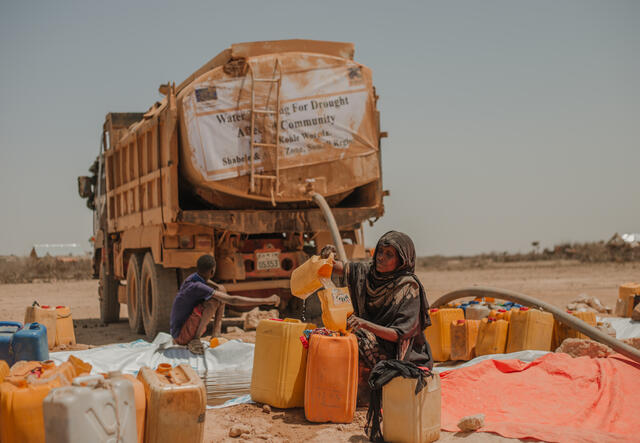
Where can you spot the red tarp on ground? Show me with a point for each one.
(555, 398)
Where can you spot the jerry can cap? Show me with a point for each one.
(460, 321)
(433, 310)
(163, 368)
(524, 308)
(502, 310)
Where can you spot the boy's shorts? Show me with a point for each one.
(189, 328)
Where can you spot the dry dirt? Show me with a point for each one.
(557, 282)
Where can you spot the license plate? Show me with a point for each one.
(267, 260)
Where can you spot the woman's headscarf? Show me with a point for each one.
(380, 285)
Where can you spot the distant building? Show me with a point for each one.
(62, 252)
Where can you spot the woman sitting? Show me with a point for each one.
(390, 304)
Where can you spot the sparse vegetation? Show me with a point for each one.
(29, 270)
(594, 252)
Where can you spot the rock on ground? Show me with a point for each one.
(471, 422)
(588, 303)
(634, 342)
(578, 347)
(239, 429)
(253, 317)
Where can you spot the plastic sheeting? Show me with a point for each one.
(555, 398)
(624, 327)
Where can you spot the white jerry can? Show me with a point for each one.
(92, 409)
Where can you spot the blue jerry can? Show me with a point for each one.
(30, 343)
(7, 331)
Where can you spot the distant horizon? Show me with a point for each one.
(539, 249)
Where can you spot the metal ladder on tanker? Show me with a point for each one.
(276, 81)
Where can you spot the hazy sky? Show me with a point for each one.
(508, 121)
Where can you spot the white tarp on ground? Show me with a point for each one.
(625, 327)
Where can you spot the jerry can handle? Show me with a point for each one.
(87, 380)
(17, 324)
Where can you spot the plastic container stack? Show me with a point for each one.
(21, 396)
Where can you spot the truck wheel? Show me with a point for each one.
(134, 295)
(159, 287)
(108, 295)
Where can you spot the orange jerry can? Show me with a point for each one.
(530, 329)
(626, 297)
(336, 308)
(492, 336)
(438, 334)
(21, 397)
(307, 278)
(4, 370)
(176, 404)
(65, 334)
(464, 334)
(332, 379)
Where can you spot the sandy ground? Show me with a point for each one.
(556, 282)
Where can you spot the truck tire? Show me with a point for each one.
(134, 294)
(108, 296)
(159, 287)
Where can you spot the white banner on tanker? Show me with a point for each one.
(321, 113)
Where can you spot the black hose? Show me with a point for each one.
(560, 315)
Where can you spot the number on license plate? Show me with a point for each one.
(267, 260)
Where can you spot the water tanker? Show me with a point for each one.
(226, 164)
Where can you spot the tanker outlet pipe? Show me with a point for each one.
(559, 314)
(331, 221)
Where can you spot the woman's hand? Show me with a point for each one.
(328, 250)
(354, 322)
